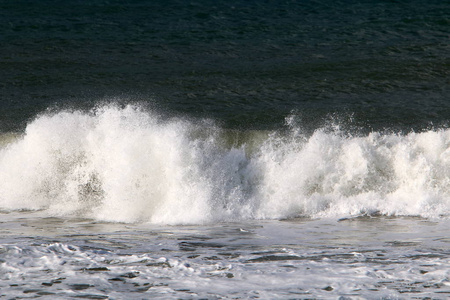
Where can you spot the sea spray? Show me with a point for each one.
(112, 164)
(131, 165)
(334, 175)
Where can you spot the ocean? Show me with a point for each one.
(224, 150)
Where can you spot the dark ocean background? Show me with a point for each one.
(375, 65)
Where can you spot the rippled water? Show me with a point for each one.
(247, 64)
(366, 257)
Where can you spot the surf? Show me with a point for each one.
(129, 164)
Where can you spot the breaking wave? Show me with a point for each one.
(131, 165)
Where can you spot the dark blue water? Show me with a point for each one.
(245, 64)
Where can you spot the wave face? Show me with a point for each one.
(131, 165)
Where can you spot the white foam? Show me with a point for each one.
(333, 175)
(129, 165)
(363, 258)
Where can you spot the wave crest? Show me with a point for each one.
(130, 165)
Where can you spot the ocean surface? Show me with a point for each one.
(215, 150)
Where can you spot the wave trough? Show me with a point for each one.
(131, 165)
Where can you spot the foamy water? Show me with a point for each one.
(359, 258)
(89, 202)
(131, 165)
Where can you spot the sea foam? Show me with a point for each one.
(131, 165)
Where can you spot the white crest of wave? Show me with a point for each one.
(332, 175)
(116, 164)
(128, 165)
